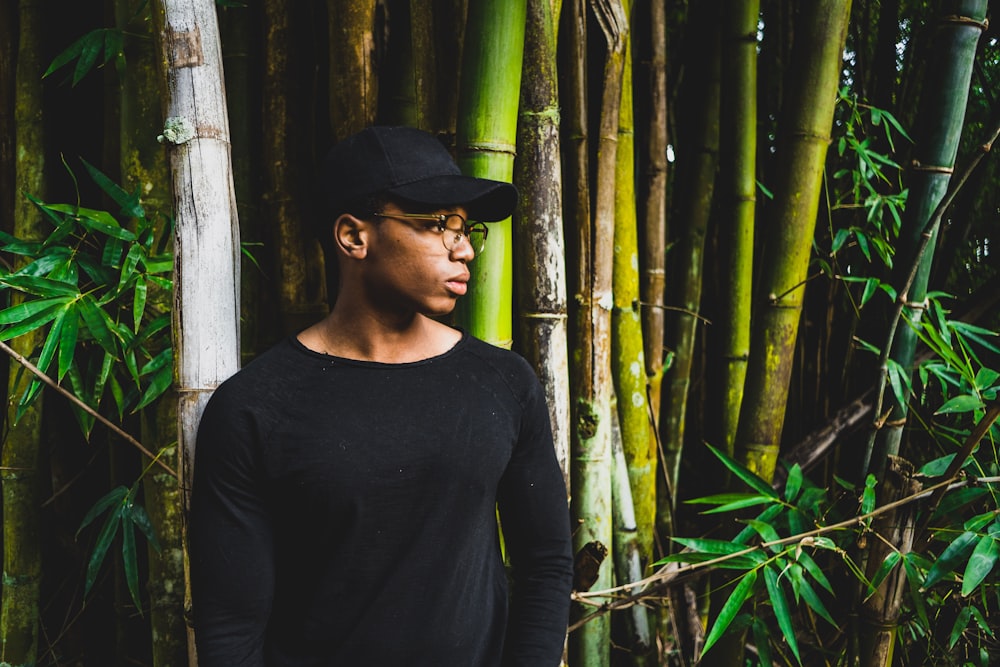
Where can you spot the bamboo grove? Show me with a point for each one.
(751, 264)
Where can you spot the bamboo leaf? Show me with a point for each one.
(138, 302)
(980, 564)
(959, 498)
(750, 479)
(27, 309)
(868, 495)
(140, 518)
(765, 530)
(813, 569)
(809, 594)
(67, 342)
(963, 403)
(744, 562)
(913, 579)
(742, 592)
(161, 382)
(887, 566)
(954, 553)
(781, 610)
(794, 483)
(128, 267)
(36, 321)
(749, 500)
(97, 324)
(104, 539)
(770, 514)
(130, 562)
(113, 497)
(96, 221)
(39, 286)
(981, 621)
(961, 621)
(709, 546)
(762, 638)
(129, 202)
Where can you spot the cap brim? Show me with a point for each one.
(483, 199)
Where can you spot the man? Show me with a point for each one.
(348, 481)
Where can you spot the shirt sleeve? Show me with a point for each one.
(534, 517)
(232, 573)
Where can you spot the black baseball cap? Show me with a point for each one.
(412, 165)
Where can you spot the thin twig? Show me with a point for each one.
(83, 406)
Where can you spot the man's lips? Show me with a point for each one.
(458, 285)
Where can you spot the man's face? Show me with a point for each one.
(410, 267)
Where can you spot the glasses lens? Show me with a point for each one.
(477, 236)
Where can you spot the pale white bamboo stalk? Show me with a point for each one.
(206, 227)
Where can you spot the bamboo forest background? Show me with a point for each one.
(752, 264)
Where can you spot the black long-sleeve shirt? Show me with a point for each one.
(345, 513)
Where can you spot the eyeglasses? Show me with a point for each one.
(452, 227)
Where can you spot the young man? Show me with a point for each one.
(348, 481)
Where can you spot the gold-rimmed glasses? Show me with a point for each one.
(452, 227)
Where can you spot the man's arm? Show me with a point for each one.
(230, 541)
(534, 516)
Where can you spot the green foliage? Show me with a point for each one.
(873, 182)
(88, 285)
(125, 516)
(103, 45)
(787, 553)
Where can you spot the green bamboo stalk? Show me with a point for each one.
(590, 645)
(738, 151)
(485, 144)
(698, 162)
(539, 256)
(628, 364)
(143, 165)
(21, 455)
(941, 118)
(299, 268)
(353, 86)
(737, 148)
(803, 140)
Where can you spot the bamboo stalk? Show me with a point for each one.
(298, 265)
(485, 144)
(353, 91)
(653, 198)
(803, 141)
(942, 116)
(206, 241)
(143, 164)
(583, 475)
(592, 502)
(698, 162)
(538, 235)
(738, 150)
(628, 368)
(21, 455)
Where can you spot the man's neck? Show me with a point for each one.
(375, 339)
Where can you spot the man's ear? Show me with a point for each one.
(350, 236)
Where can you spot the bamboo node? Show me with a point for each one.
(982, 24)
(543, 316)
(489, 147)
(917, 165)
